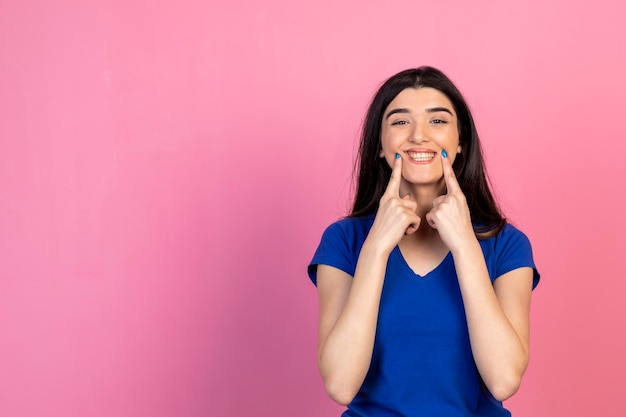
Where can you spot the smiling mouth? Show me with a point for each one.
(421, 156)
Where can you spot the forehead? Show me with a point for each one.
(420, 99)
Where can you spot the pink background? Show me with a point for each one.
(167, 169)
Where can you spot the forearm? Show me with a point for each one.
(500, 352)
(345, 355)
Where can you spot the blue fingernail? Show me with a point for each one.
(397, 156)
(444, 153)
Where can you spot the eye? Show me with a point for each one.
(399, 122)
(439, 121)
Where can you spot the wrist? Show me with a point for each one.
(373, 249)
(468, 247)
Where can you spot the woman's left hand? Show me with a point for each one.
(450, 214)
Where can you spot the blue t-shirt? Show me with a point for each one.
(422, 363)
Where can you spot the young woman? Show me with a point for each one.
(424, 289)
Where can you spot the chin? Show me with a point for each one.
(426, 182)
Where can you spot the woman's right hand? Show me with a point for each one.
(396, 215)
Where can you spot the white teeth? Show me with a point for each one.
(421, 156)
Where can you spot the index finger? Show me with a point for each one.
(448, 174)
(393, 188)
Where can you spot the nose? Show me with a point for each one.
(419, 134)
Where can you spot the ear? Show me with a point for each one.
(381, 154)
(458, 149)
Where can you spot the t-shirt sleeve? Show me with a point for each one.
(514, 251)
(335, 249)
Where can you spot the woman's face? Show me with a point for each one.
(418, 124)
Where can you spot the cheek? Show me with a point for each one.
(387, 152)
(449, 141)
(389, 142)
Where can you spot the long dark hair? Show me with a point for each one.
(373, 172)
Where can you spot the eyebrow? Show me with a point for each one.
(438, 109)
(429, 110)
(394, 111)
